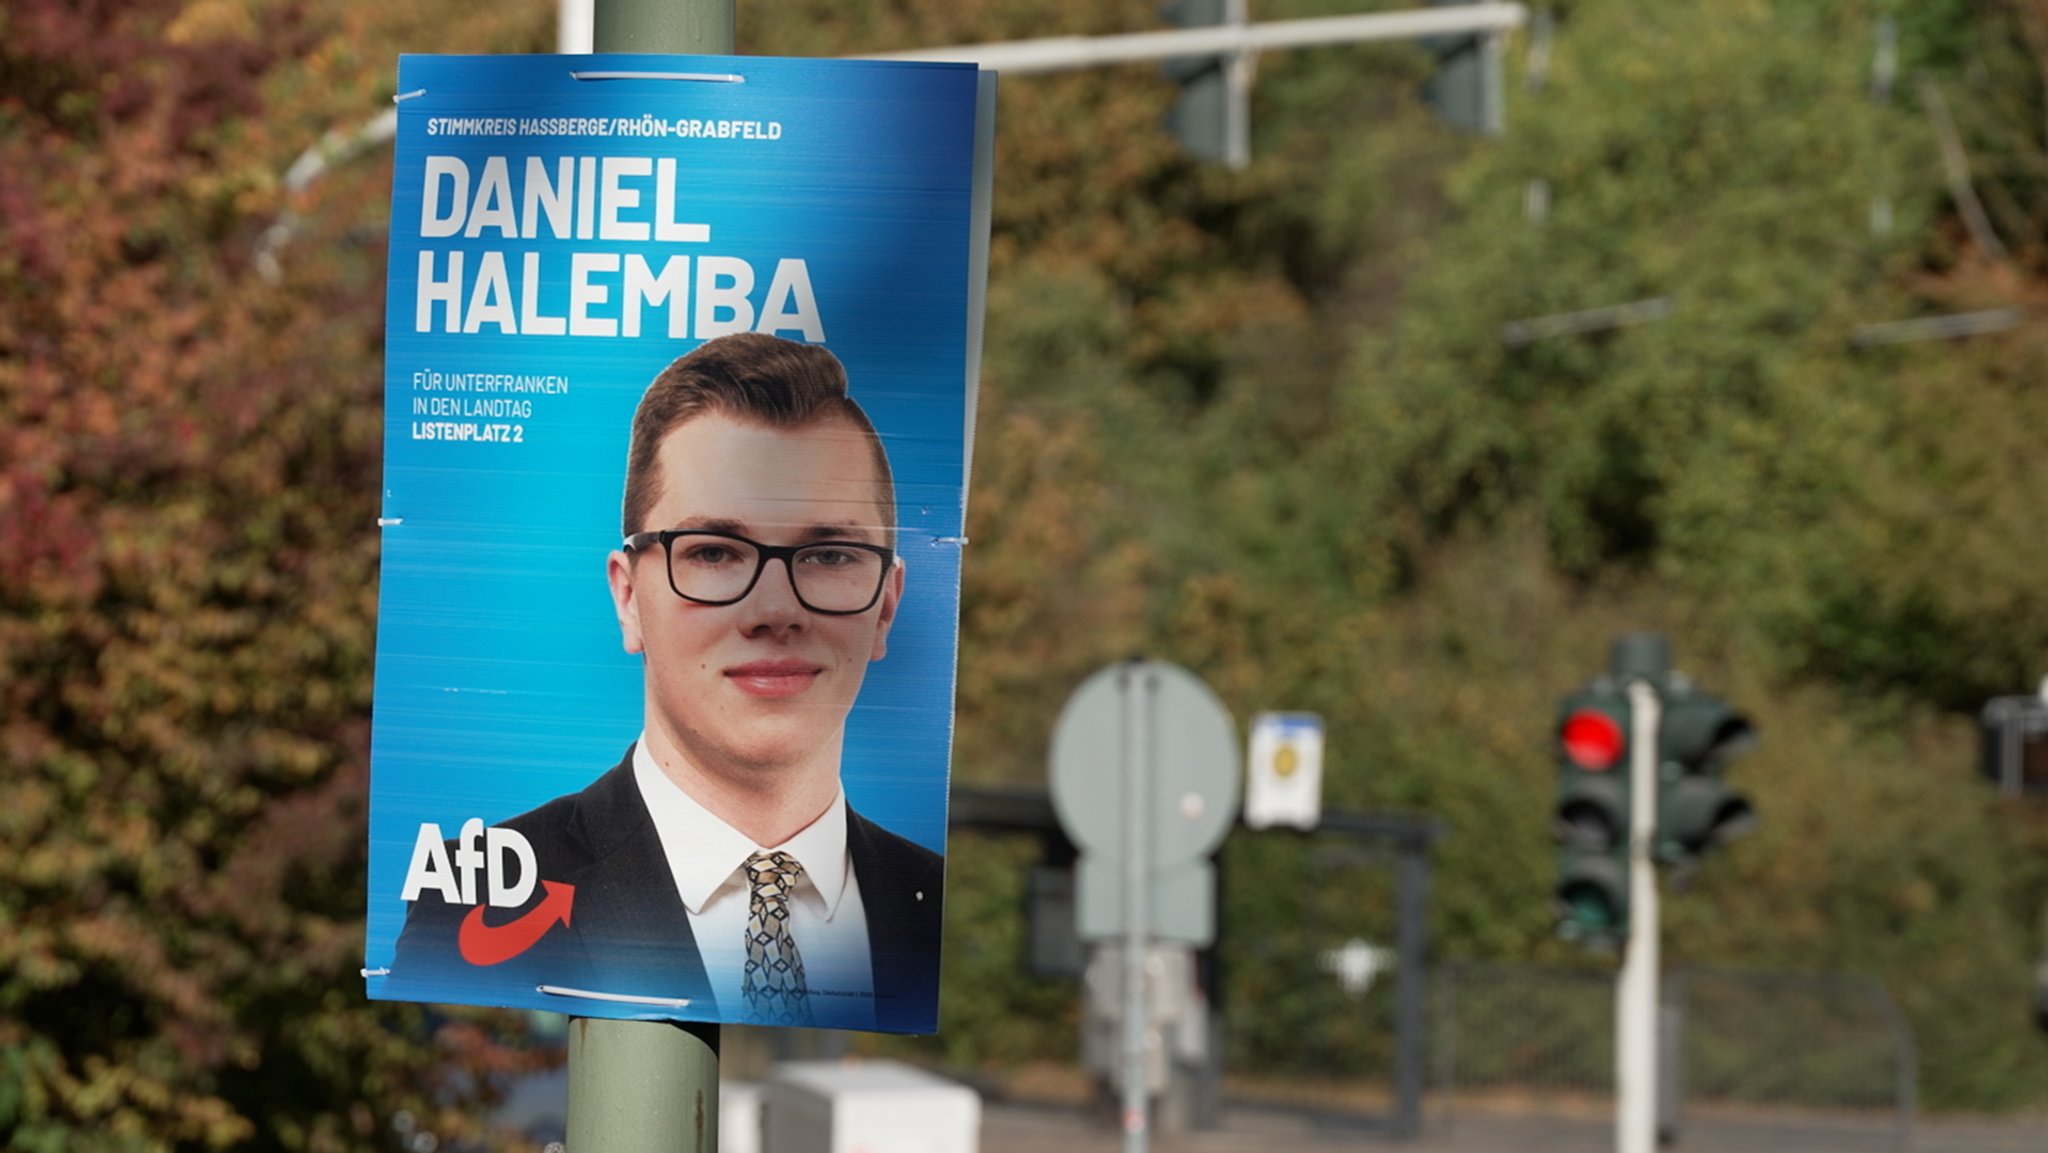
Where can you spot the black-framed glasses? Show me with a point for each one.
(834, 577)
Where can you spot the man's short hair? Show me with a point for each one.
(748, 376)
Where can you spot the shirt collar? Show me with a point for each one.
(704, 852)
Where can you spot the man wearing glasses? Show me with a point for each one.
(719, 862)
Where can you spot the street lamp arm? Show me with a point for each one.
(1065, 53)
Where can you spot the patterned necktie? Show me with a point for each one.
(774, 989)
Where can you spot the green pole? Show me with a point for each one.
(700, 26)
(648, 1086)
(642, 1086)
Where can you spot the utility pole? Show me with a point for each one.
(1635, 1041)
(1642, 662)
(701, 27)
(648, 1086)
(1140, 686)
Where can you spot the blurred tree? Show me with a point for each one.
(1848, 521)
(188, 463)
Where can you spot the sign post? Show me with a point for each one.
(1145, 779)
(1138, 684)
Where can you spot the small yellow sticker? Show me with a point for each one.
(1285, 761)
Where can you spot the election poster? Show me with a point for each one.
(680, 365)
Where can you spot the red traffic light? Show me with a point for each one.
(1592, 740)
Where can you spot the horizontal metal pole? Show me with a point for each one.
(1519, 332)
(1027, 810)
(1064, 53)
(1935, 327)
(1057, 54)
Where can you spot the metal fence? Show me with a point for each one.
(1323, 989)
(1755, 1050)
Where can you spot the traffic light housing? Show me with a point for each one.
(1696, 811)
(1209, 117)
(1692, 809)
(2014, 741)
(1465, 89)
(1591, 818)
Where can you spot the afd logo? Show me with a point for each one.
(509, 873)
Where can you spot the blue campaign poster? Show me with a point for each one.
(678, 390)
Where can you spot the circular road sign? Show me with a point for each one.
(1192, 766)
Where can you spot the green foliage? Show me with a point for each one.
(1433, 541)
(1274, 422)
(1310, 896)
(992, 1013)
(188, 460)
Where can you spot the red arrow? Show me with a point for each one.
(483, 944)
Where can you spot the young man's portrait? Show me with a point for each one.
(718, 862)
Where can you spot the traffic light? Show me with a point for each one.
(1211, 117)
(1696, 811)
(1465, 90)
(2014, 739)
(2041, 994)
(1591, 823)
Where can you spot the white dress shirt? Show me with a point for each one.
(826, 919)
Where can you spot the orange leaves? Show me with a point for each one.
(188, 469)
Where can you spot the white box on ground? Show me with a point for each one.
(739, 1117)
(866, 1107)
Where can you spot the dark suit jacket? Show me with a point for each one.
(629, 933)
